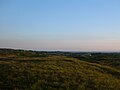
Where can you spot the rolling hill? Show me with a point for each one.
(32, 70)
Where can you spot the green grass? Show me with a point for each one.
(56, 72)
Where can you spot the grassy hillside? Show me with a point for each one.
(108, 59)
(19, 71)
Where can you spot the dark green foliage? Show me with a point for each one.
(109, 59)
(21, 53)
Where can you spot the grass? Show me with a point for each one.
(56, 72)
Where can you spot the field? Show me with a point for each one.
(34, 70)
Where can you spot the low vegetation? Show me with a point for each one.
(32, 70)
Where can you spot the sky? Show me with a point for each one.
(63, 25)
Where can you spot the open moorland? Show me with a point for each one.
(42, 70)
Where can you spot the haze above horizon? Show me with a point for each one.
(68, 25)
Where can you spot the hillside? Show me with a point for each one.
(32, 70)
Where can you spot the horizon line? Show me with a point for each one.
(96, 51)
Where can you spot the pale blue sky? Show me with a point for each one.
(75, 25)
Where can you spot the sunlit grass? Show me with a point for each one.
(57, 72)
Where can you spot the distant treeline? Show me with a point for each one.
(98, 55)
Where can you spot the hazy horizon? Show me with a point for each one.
(64, 25)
